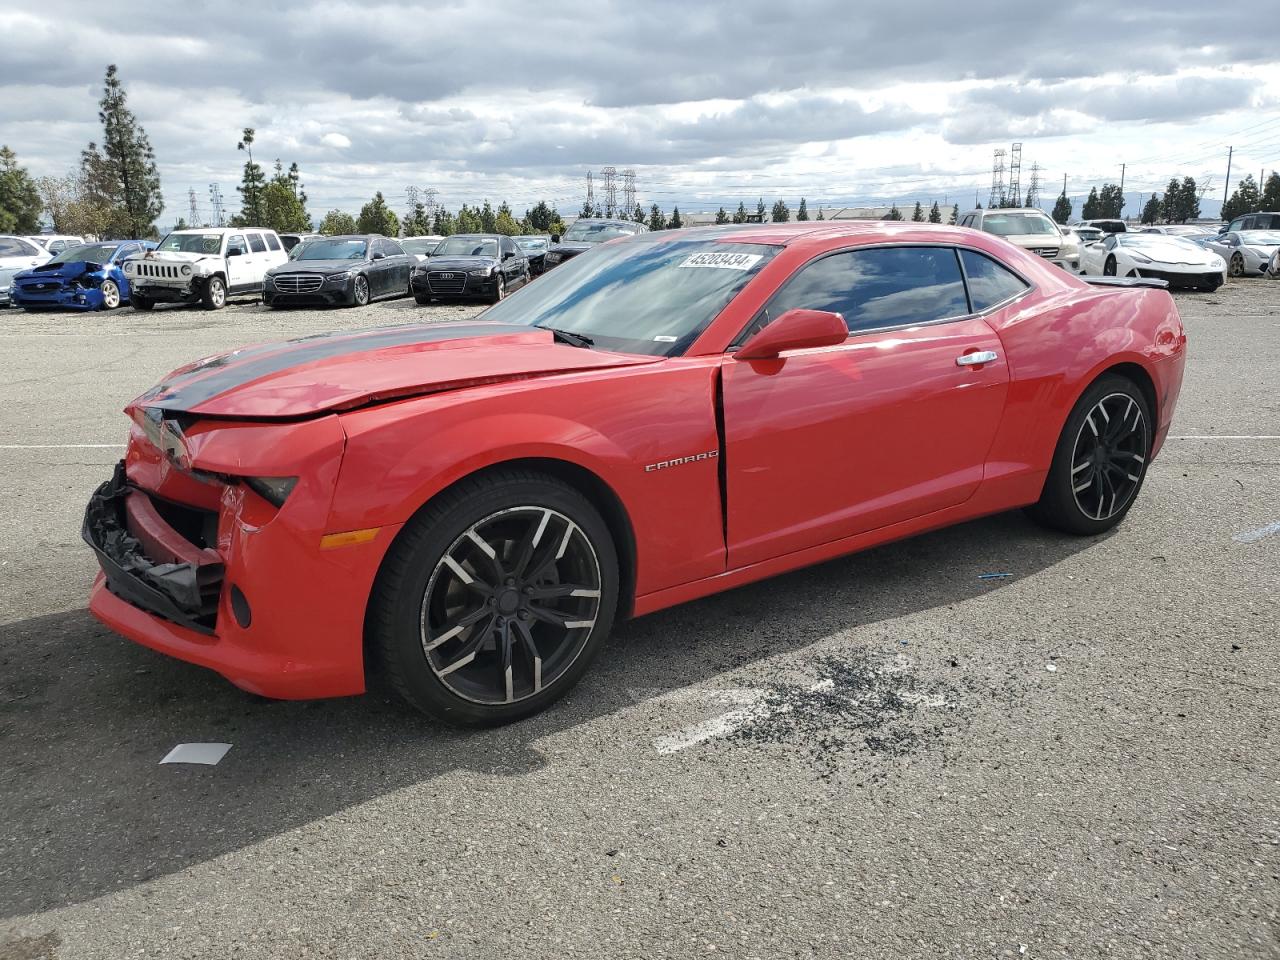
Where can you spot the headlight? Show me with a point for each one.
(478, 273)
(1139, 257)
(418, 270)
(338, 277)
(275, 490)
(186, 270)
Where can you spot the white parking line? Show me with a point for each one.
(1227, 436)
(1252, 536)
(61, 446)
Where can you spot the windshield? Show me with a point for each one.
(1260, 238)
(648, 296)
(1153, 241)
(1018, 224)
(191, 243)
(336, 248)
(97, 253)
(531, 243)
(413, 245)
(467, 247)
(598, 231)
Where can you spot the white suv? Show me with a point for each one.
(1029, 228)
(207, 264)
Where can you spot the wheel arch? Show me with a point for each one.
(587, 482)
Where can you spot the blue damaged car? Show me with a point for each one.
(79, 278)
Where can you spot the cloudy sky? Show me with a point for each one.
(708, 102)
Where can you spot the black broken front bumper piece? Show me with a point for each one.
(146, 562)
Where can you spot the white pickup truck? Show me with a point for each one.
(207, 264)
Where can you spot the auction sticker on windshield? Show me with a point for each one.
(723, 261)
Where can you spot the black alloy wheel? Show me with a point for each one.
(1237, 265)
(1101, 459)
(1109, 268)
(500, 291)
(360, 292)
(495, 598)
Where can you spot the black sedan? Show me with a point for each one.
(351, 270)
(587, 233)
(535, 248)
(471, 266)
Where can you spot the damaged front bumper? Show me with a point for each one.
(198, 565)
(148, 563)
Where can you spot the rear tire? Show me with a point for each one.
(1100, 461)
(139, 302)
(215, 294)
(510, 568)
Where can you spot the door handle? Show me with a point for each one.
(976, 359)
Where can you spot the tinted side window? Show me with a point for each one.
(508, 246)
(256, 243)
(989, 282)
(393, 249)
(235, 246)
(883, 287)
(272, 241)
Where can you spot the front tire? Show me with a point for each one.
(215, 294)
(1237, 265)
(360, 293)
(139, 302)
(110, 295)
(1109, 268)
(1101, 459)
(500, 293)
(495, 598)
(421, 301)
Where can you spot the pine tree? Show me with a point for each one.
(1091, 210)
(504, 222)
(917, 215)
(253, 183)
(740, 216)
(760, 210)
(1152, 209)
(417, 223)
(780, 213)
(443, 223)
(894, 213)
(1245, 199)
(802, 212)
(586, 212)
(469, 220)
(675, 223)
(820, 216)
(656, 220)
(377, 217)
(638, 214)
(935, 215)
(1062, 208)
(121, 177)
(721, 216)
(1190, 208)
(540, 217)
(1271, 193)
(955, 212)
(20, 201)
(336, 222)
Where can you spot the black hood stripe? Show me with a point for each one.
(190, 389)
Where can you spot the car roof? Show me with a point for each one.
(222, 230)
(786, 234)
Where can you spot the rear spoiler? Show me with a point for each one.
(1127, 282)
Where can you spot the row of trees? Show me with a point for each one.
(1180, 203)
(1247, 198)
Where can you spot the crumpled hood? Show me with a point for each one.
(460, 263)
(341, 371)
(65, 271)
(174, 256)
(571, 247)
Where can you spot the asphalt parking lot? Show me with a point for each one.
(884, 756)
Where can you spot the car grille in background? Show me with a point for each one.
(1047, 252)
(447, 282)
(298, 282)
(160, 271)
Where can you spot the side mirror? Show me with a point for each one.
(795, 330)
(235, 252)
(508, 255)
(379, 255)
(555, 238)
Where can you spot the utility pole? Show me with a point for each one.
(1122, 191)
(1227, 183)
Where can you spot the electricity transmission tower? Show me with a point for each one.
(1033, 191)
(411, 194)
(628, 192)
(429, 201)
(215, 198)
(591, 195)
(610, 175)
(193, 210)
(1014, 196)
(997, 179)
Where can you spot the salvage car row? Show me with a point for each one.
(209, 265)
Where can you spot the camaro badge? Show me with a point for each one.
(677, 461)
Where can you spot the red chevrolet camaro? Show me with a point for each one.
(471, 505)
